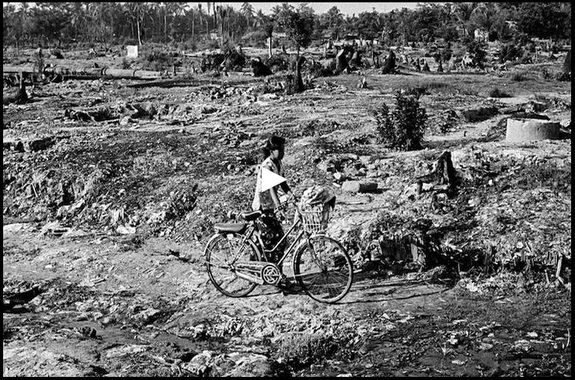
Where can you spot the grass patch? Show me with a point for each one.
(302, 349)
(519, 77)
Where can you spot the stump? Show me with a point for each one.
(18, 96)
(443, 176)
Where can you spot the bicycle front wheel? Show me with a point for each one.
(323, 269)
(222, 252)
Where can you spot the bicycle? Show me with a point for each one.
(237, 261)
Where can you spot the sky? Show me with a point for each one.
(346, 8)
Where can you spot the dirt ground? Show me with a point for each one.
(107, 310)
(119, 288)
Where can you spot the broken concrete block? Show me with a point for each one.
(359, 187)
(125, 120)
(338, 176)
(132, 51)
(531, 129)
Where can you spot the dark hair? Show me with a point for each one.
(273, 142)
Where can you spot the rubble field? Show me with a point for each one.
(111, 191)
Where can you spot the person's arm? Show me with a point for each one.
(285, 187)
(275, 197)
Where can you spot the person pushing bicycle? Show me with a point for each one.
(267, 197)
(240, 256)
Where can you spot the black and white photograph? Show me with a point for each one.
(286, 189)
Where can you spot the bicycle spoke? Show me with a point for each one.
(324, 269)
(222, 253)
(317, 276)
(230, 279)
(220, 266)
(339, 275)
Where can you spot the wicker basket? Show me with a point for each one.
(315, 218)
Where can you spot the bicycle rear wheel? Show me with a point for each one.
(323, 269)
(222, 252)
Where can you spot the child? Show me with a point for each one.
(268, 200)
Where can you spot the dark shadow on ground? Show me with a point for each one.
(373, 286)
(459, 143)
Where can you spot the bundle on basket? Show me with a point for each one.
(315, 206)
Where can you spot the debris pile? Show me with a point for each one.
(98, 194)
(509, 211)
(259, 68)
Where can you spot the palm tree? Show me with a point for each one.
(463, 12)
(174, 10)
(248, 11)
(136, 12)
(203, 18)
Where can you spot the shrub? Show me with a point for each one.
(316, 69)
(301, 349)
(497, 93)
(187, 45)
(233, 59)
(157, 60)
(519, 77)
(403, 128)
(510, 52)
(563, 77)
(278, 62)
(546, 74)
(478, 51)
(445, 121)
(125, 63)
(130, 41)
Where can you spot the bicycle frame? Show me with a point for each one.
(259, 243)
(258, 270)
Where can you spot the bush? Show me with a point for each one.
(301, 349)
(445, 121)
(404, 127)
(233, 59)
(497, 93)
(278, 62)
(126, 64)
(130, 41)
(187, 45)
(316, 69)
(157, 60)
(519, 77)
(510, 52)
(478, 51)
(563, 77)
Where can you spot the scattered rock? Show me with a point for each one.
(359, 187)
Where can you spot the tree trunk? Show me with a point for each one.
(270, 46)
(193, 27)
(165, 26)
(299, 82)
(139, 39)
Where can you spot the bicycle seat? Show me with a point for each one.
(251, 215)
(235, 228)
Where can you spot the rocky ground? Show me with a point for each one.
(111, 191)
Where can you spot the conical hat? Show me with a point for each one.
(270, 179)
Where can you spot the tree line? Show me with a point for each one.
(58, 23)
